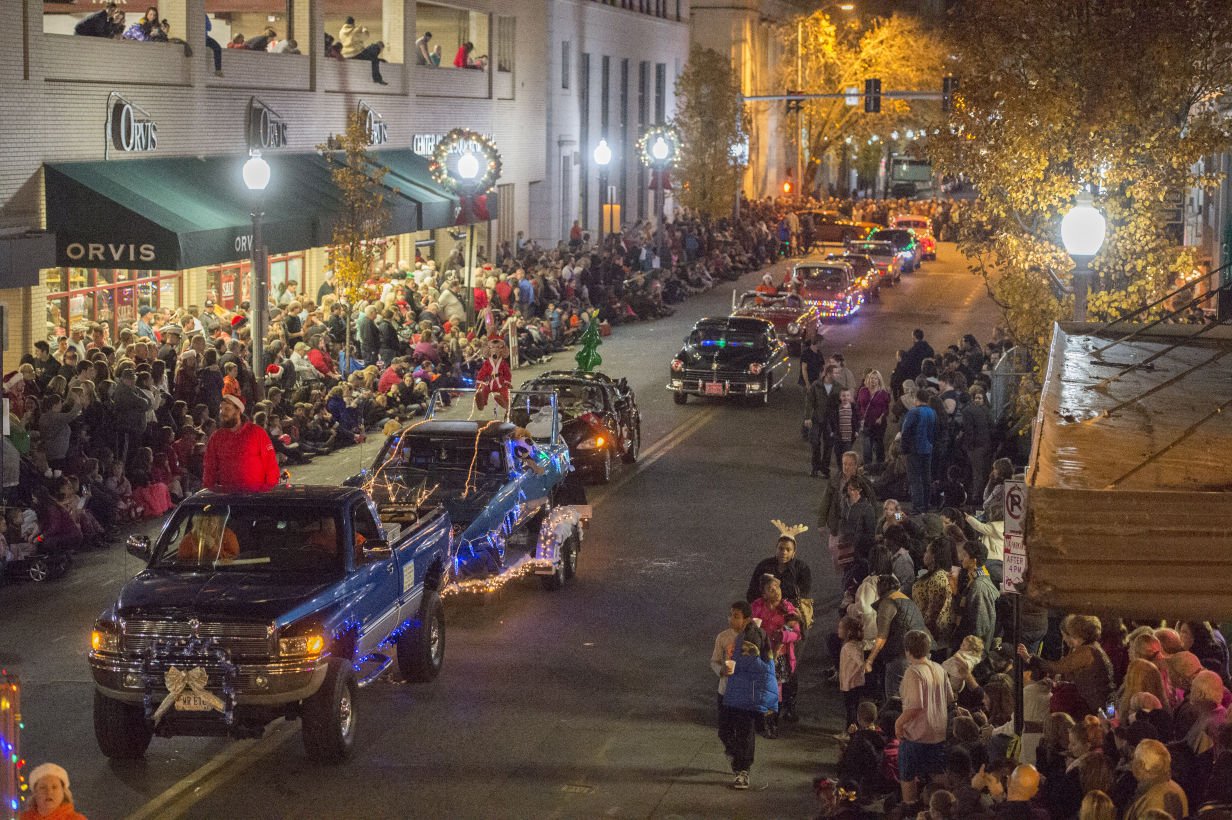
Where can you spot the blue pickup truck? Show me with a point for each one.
(517, 505)
(256, 606)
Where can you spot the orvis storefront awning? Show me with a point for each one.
(174, 213)
(407, 173)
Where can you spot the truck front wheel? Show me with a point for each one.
(421, 647)
(329, 716)
(120, 728)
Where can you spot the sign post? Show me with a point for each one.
(1013, 573)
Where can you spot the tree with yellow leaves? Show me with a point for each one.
(1118, 96)
(713, 126)
(359, 236)
(828, 55)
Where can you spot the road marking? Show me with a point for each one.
(176, 800)
(195, 786)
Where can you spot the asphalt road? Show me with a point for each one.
(594, 701)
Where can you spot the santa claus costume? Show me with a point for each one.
(494, 377)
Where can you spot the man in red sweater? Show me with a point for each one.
(240, 455)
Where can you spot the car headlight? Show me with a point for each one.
(304, 646)
(594, 443)
(105, 638)
(677, 365)
(793, 328)
(755, 368)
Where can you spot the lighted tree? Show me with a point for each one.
(588, 357)
(359, 237)
(839, 53)
(713, 128)
(1056, 95)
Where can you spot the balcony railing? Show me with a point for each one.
(256, 70)
(93, 59)
(355, 77)
(450, 82)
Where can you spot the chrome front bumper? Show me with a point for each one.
(126, 679)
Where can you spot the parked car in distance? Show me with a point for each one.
(923, 227)
(905, 243)
(796, 321)
(727, 356)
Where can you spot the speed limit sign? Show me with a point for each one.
(1015, 506)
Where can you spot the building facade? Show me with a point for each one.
(79, 109)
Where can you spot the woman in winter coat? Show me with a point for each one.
(873, 408)
(782, 624)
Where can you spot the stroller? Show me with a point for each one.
(24, 553)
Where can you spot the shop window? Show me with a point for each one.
(230, 285)
(451, 27)
(109, 297)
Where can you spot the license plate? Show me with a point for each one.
(714, 388)
(191, 702)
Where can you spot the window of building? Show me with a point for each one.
(605, 83)
(660, 101)
(624, 131)
(643, 116)
(566, 64)
(505, 221)
(504, 44)
(584, 136)
(110, 297)
(451, 28)
(229, 285)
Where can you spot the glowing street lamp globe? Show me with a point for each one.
(660, 149)
(603, 154)
(1082, 229)
(256, 172)
(468, 166)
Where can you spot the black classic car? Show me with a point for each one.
(729, 356)
(599, 419)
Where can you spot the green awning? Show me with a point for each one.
(173, 213)
(408, 174)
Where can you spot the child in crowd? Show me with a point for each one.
(230, 380)
(848, 423)
(861, 757)
(149, 494)
(121, 488)
(851, 665)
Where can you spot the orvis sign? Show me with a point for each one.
(126, 252)
(130, 128)
(266, 128)
(374, 125)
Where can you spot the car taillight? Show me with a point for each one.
(677, 365)
(755, 368)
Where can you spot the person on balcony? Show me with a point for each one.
(463, 58)
(144, 29)
(262, 41)
(354, 39)
(101, 24)
(423, 51)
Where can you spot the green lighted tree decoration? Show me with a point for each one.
(588, 357)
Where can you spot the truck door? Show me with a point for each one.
(380, 581)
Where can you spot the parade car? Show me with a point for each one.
(884, 255)
(905, 242)
(258, 606)
(796, 321)
(868, 277)
(834, 227)
(831, 286)
(507, 481)
(923, 228)
(729, 356)
(599, 419)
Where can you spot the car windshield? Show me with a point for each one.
(250, 537)
(860, 263)
(874, 248)
(897, 237)
(907, 222)
(762, 300)
(573, 398)
(722, 338)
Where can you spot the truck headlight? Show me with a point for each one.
(105, 638)
(305, 646)
(755, 368)
(793, 328)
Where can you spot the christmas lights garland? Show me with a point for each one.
(652, 135)
(490, 162)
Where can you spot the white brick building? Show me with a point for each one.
(59, 94)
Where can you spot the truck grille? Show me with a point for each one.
(239, 639)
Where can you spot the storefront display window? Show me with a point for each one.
(229, 285)
(109, 297)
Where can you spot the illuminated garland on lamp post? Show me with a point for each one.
(467, 164)
(659, 149)
(13, 786)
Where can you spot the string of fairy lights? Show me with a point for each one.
(13, 786)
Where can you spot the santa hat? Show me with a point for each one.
(50, 770)
(273, 370)
(237, 322)
(236, 400)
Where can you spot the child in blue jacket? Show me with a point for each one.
(751, 690)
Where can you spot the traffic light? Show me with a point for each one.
(948, 86)
(872, 96)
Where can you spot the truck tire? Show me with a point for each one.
(680, 397)
(567, 570)
(329, 716)
(421, 648)
(120, 728)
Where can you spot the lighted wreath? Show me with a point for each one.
(489, 161)
(646, 146)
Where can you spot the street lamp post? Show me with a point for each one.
(468, 170)
(660, 151)
(1082, 233)
(603, 155)
(256, 174)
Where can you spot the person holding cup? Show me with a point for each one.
(747, 687)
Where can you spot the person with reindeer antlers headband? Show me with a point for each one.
(794, 575)
(494, 377)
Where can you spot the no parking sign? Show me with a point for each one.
(1014, 564)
